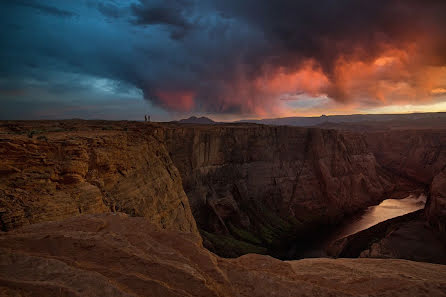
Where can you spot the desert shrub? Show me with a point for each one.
(228, 246)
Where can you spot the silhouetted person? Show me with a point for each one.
(148, 118)
(145, 118)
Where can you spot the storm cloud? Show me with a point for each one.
(249, 57)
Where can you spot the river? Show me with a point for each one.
(387, 209)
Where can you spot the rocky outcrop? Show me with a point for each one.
(117, 255)
(417, 154)
(56, 170)
(436, 208)
(254, 187)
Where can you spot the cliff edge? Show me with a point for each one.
(55, 170)
(117, 255)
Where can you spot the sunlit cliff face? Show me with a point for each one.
(256, 58)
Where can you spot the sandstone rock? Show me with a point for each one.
(117, 255)
(421, 156)
(84, 169)
(265, 185)
(414, 150)
(251, 187)
(417, 154)
(436, 207)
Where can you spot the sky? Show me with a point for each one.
(229, 60)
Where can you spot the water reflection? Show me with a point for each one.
(387, 209)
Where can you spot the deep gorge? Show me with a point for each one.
(100, 208)
(251, 188)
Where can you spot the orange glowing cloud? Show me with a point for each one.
(308, 79)
(182, 101)
(394, 77)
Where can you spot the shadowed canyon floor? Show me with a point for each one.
(117, 255)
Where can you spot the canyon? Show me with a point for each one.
(251, 188)
(414, 149)
(261, 188)
(231, 189)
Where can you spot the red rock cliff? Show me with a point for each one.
(69, 168)
(259, 184)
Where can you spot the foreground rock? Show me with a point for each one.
(116, 255)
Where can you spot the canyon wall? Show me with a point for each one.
(417, 154)
(253, 188)
(66, 170)
(436, 207)
(116, 255)
(414, 149)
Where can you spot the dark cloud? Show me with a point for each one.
(171, 13)
(237, 56)
(324, 31)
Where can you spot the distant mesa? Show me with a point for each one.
(196, 120)
(326, 120)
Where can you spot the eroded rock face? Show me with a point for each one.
(117, 255)
(436, 208)
(58, 174)
(252, 186)
(421, 156)
(417, 154)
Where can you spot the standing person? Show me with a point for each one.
(148, 118)
(145, 118)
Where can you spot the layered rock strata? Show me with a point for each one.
(65, 171)
(254, 188)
